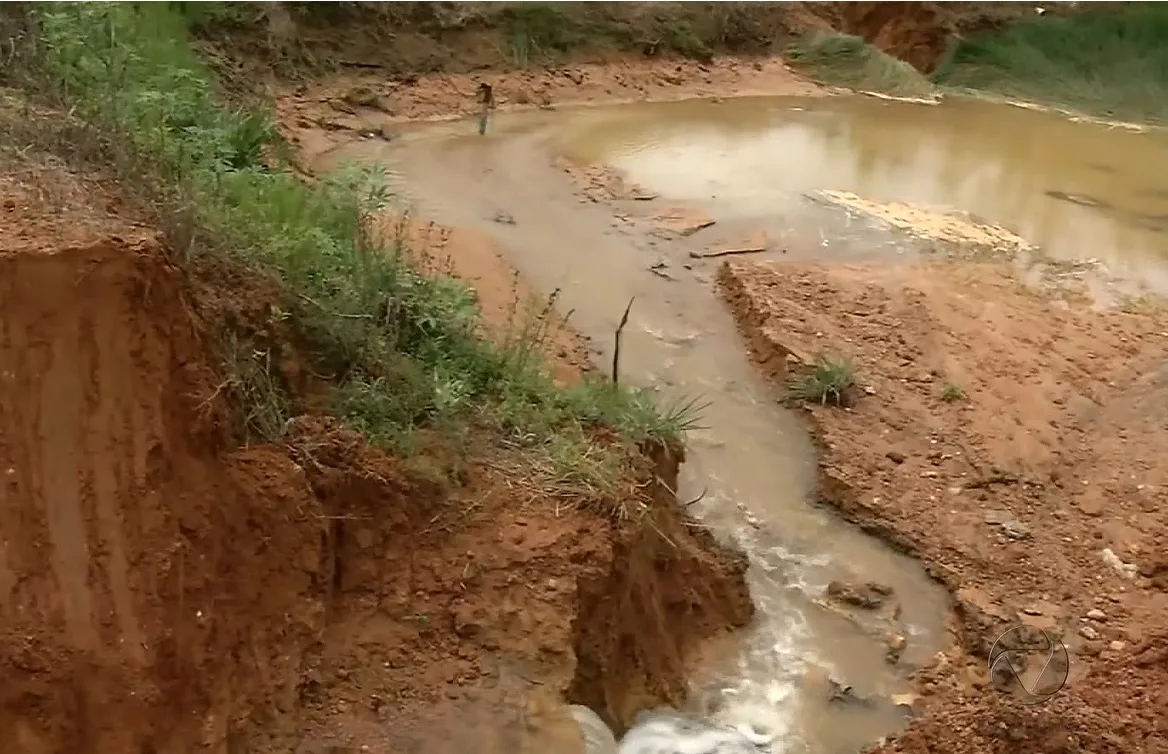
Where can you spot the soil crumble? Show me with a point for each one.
(164, 588)
(1012, 442)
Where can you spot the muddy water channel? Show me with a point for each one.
(819, 677)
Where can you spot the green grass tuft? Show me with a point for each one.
(951, 393)
(1110, 61)
(846, 60)
(403, 346)
(829, 381)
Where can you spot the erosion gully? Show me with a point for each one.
(748, 162)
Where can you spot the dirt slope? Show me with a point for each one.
(163, 589)
(1015, 444)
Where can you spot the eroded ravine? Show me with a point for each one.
(752, 459)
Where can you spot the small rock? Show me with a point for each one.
(844, 693)
(1088, 633)
(1097, 615)
(1127, 570)
(895, 457)
(896, 645)
(870, 596)
(1116, 646)
(466, 622)
(1016, 530)
(1011, 526)
(904, 701)
(504, 217)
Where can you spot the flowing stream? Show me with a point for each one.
(803, 678)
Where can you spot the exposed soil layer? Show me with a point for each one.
(1014, 443)
(404, 41)
(393, 86)
(369, 102)
(163, 589)
(921, 34)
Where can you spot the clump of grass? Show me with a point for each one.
(539, 29)
(846, 60)
(1108, 61)
(401, 344)
(830, 381)
(951, 393)
(681, 36)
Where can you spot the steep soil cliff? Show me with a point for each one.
(163, 588)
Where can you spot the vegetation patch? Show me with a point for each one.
(830, 381)
(1110, 61)
(398, 347)
(297, 39)
(846, 60)
(951, 393)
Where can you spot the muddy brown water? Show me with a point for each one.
(1076, 190)
(748, 162)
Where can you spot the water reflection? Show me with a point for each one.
(749, 157)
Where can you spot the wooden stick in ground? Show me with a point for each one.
(710, 254)
(616, 346)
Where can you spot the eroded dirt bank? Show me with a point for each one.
(164, 589)
(1015, 443)
(370, 103)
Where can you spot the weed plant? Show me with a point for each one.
(830, 381)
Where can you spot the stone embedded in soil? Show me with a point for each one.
(1011, 527)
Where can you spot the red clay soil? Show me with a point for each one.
(1015, 444)
(432, 67)
(917, 33)
(370, 102)
(164, 589)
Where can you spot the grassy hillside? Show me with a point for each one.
(1109, 60)
(396, 351)
(410, 38)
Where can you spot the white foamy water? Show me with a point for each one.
(736, 729)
